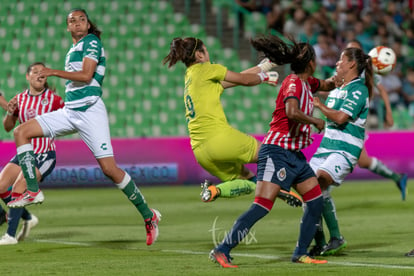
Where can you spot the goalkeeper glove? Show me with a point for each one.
(265, 65)
(271, 77)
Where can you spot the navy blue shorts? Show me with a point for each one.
(45, 162)
(282, 167)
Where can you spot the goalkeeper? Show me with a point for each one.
(219, 148)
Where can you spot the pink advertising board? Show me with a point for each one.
(170, 161)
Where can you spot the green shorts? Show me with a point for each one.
(225, 154)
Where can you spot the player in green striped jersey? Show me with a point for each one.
(346, 111)
(84, 113)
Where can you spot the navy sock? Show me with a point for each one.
(14, 218)
(242, 227)
(25, 215)
(310, 222)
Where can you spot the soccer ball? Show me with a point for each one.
(383, 59)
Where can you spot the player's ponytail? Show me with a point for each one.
(369, 75)
(281, 52)
(183, 50)
(364, 64)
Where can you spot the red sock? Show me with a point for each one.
(310, 195)
(5, 195)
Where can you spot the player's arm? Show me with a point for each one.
(85, 75)
(9, 121)
(336, 116)
(328, 84)
(264, 66)
(3, 102)
(294, 113)
(389, 120)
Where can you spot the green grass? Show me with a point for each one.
(97, 232)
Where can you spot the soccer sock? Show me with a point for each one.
(237, 187)
(379, 168)
(13, 220)
(329, 214)
(310, 220)
(27, 163)
(319, 234)
(134, 195)
(260, 208)
(7, 197)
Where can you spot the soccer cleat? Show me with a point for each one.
(3, 217)
(209, 192)
(334, 246)
(304, 259)
(402, 185)
(27, 226)
(151, 226)
(26, 199)
(409, 254)
(221, 258)
(8, 240)
(316, 250)
(291, 198)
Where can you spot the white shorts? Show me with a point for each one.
(91, 124)
(335, 164)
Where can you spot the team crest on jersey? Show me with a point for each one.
(30, 113)
(45, 101)
(342, 94)
(281, 174)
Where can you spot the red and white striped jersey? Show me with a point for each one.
(29, 106)
(286, 133)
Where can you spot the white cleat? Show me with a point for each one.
(8, 240)
(27, 226)
(28, 198)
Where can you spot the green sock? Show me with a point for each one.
(237, 187)
(319, 235)
(329, 214)
(379, 168)
(134, 195)
(27, 163)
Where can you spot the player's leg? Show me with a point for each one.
(126, 184)
(332, 171)
(312, 197)
(52, 124)
(224, 156)
(22, 136)
(19, 186)
(377, 167)
(7, 177)
(266, 193)
(94, 131)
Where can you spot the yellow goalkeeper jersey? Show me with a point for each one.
(204, 112)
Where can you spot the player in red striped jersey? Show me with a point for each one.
(281, 163)
(36, 100)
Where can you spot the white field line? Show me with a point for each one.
(258, 256)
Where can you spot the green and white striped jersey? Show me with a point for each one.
(346, 139)
(81, 95)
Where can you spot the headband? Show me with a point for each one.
(195, 47)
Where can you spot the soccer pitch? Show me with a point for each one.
(98, 232)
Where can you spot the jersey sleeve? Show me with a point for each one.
(58, 103)
(314, 84)
(92, 48)
(216, 72)
(293, 88)
(355, 102)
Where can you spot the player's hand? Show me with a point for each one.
(319, 124)
(316, 102)
(266, 65)
(12, 106)
(271, 77)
